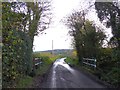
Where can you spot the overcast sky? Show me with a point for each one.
(58, 32)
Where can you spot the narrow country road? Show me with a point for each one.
(63, 76)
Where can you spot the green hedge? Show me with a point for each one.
(16, 49)
(17, 57)
(108, 66)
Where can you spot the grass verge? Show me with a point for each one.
(48, 59)
(46, 64)
(24, 82)
(72, 61)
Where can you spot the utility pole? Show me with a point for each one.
(52, 46)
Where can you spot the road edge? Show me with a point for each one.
(93, 77)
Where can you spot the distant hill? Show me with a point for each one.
(58, 51)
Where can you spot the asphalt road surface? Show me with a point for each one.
(63, 76)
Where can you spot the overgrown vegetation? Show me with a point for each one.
(110, 57)
(89, 39)
(16, 59)
(24, 82)
(19, 29)
(72, 61)
(47, 60)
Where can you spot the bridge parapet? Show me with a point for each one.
(90, 62)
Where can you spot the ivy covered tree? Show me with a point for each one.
(16, 50)
(87, 37)
(110, 13)
(21, 21)
(39, 17)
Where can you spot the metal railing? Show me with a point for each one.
(90, 62)
(37, 62)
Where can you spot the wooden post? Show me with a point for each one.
(52, 46)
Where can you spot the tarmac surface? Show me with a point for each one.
(61, 75)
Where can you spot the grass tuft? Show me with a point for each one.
(24, 82)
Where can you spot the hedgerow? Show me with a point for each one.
(16, 49)
(17, 57)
